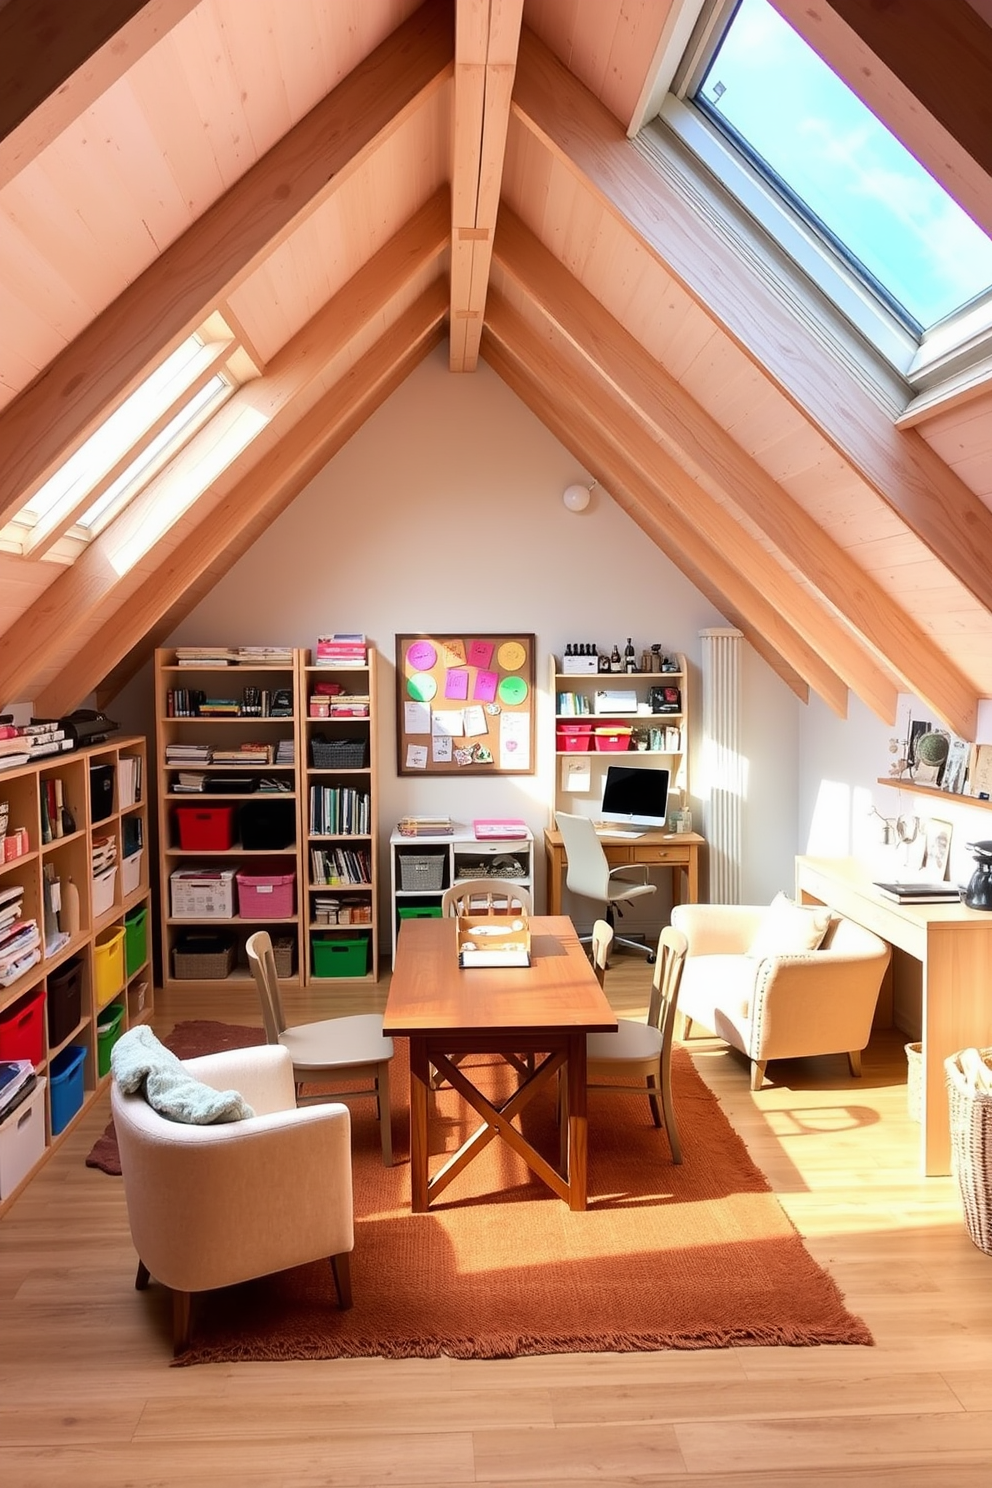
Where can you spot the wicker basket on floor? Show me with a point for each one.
(971, 1149)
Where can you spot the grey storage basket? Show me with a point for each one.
(971, 1149)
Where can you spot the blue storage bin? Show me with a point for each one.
(66, 1088)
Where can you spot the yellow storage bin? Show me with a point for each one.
(108, 964)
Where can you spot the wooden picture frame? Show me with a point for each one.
(465, 703)
(938, 834)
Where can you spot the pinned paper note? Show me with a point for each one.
(456, 683)
(448, 721)
(480, 653)
(416, 718)
(441, 749)
(512, 691)
(454, 653)
(421, 686)
(514, 741)
(416, 756)
(421, 656)
(475, 722)
(485, 687)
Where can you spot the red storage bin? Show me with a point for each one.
(205, 828)
(573, 737)
(22, 1028)
(612, 739)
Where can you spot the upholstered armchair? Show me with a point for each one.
(212, 1205)
(774, 989)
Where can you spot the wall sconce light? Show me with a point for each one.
(577, 497)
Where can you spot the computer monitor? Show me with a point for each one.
(638, 797)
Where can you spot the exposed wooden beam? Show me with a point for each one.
(253, 501)
(265, 405)
(487, 35)
(555, 109)
(56, 60)
(704, 449)
(925, 68)
(690, 527)
(307, 166)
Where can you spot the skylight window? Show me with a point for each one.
(842, 169)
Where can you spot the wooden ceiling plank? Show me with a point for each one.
(925, 68)
(898, 465)
(40, 632)
(703, 448)
(487, 34)
(613, 473)
(698, 525)
(56, 61)
(255, 500)
(107, 360)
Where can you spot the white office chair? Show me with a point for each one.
(486, 896)
(588, 873)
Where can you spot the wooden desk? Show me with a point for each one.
(545, 1009)
(953, 945)
(678, 851)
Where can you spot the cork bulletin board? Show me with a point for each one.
(465, 704)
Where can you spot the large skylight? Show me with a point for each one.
(843, 168)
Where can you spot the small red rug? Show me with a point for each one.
(696, 1256)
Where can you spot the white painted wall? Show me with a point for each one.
(445, 512)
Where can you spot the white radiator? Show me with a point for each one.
(722, 764)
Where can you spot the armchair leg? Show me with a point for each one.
(182, 1308)
(341, 1268)
(758, 1073)
(854, 1062)
(143, 1277)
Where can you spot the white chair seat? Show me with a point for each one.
(632, 1041)
(338, 1043)
(588, 873)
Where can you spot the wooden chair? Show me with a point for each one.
(602, 939)
(487, 896)
(643, 1051)
(354, 1046)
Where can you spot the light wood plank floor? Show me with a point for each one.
(87, 1397)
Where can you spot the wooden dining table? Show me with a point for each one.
(543, 1011)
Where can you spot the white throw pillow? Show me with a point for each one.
(788, 929)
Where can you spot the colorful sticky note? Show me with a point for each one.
(511, 656)
(456, 684)
(454, 653)
(421, 656)
(421, 687)
(480, 653)
(485, 687)
(512, 691)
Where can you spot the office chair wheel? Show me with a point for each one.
(651, 958)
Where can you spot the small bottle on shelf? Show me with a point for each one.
(616, 665)
(629, 659)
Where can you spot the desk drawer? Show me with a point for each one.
(661, 852)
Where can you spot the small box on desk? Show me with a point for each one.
(493, 940)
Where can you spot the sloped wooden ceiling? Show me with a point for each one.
(347, 185)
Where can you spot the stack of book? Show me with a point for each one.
(188, 781)
(188, 754)
(341, 650)
(20, 939)
(22, 743)
(219, 708)
(425, 826)
(17, 1080)
(284, 752)
(206, 656)
(330, 910)
(103, 854)
(265, 655)
(245, 754)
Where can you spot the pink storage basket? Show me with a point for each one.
(266, 895)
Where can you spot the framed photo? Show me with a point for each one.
(938, 834)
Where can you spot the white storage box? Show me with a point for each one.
(131, 872)
(202, 893)
(103, 891)
(22, 1140)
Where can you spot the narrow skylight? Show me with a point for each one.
(822, 147)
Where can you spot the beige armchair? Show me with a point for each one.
(783, 1006)
(209, 1206)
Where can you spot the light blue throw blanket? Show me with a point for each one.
(139, 1059)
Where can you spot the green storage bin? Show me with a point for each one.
(135, 939)
(340, 957)
(108, 1031)
(419, 911)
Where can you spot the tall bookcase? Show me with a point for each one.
(231, 726)
(581, 710)
(339, 818)
(93, 979)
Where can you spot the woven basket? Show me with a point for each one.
(914, 1081)
(337, 754)
(202, 966)
(426, 872)
(971, 1150)
(284, 954)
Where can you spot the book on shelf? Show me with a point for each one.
(920, 893)
(425, 826)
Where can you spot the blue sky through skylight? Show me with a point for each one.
(834, 155)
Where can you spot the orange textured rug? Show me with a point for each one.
(665, 1257)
